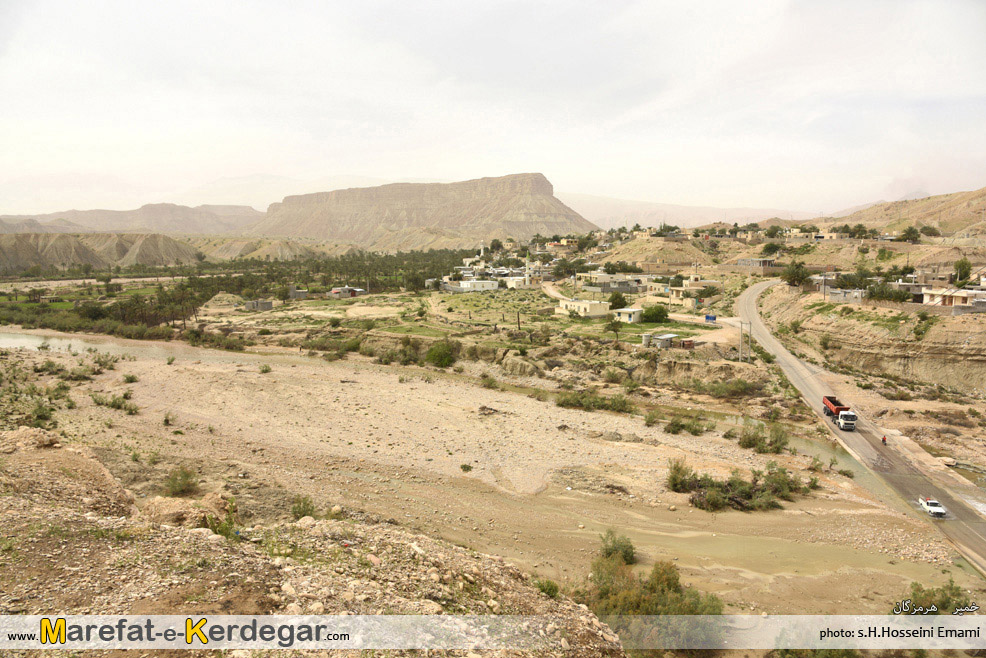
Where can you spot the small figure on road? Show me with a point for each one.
(884, 440)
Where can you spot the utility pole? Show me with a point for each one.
(749, 344)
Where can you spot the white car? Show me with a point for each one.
(932, 506)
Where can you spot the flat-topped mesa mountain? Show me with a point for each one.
(407, 216)
(20, 251)
(150, 218)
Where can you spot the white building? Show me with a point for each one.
(584, 308)
(629, 315)
(476, 285)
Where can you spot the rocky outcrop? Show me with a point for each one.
(420, 216)
(670, 371)
(950, 351)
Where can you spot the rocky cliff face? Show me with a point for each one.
(421, 216)
(950, 351)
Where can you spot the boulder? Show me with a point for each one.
(515, 365)
(183, 512)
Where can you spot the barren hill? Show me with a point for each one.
(15, 224)
(610, 213)
(19, 251)
(959, 212)
(409, 216)
(155, 217)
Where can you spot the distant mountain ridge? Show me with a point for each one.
(609, 213)
(406, 216)
(150, 218)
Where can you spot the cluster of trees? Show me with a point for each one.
(858, 231)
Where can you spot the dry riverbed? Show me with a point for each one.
(540, 484)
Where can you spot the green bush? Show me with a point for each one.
(656, 314)
(945, 599)
(264, 368)
(302, 506)
(590, 402)
(547, 587)
(130, 379)
(441, 354)
(761, 492)
(226, 526)
(619, 546)
(121, 402)
(613, 376)
(652, 417)
(616, 592)
(180, 482)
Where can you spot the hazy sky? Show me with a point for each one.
(802, 105)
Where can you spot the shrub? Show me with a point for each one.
(180, 482)
(652, 417)
(170, 360)
(302, 506)
(120, 402)
(488, 381)
(465, 467)
(674, 426)
(41, 414)
(264, 368)
(130, 379)
(441, 354)
(227, 525)
(656, 314)
(616, 592)
(681, 477)
(620, 404)
(613, 376)
(590, 402)
(547, 587)
(945, 599)
(264, 332)
(733, 388)
(619, 546)
(759, 493)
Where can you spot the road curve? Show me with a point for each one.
(964, 527)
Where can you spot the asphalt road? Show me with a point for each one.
(963, 526)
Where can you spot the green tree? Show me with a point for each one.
(910, 234)
(614, 326)
(656, 314)
(930, 231)
(963, 269)
(795, 274)
(617, 300)
(496, 245)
